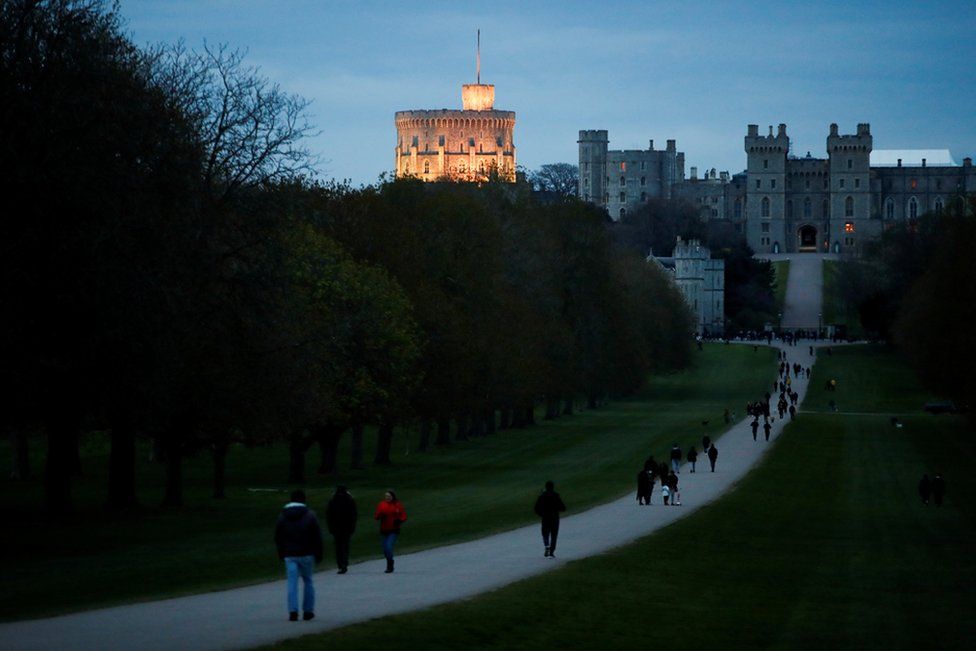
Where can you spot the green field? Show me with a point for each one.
(825, 545)
(836, 310)
(782, 270)
(211, 544)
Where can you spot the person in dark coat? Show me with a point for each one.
(938, 490)
(340, 517)
(712, 456)
(643, 487)
(766, 428)
(692, 457)
(675, 458)
(548, 506)
(299, 542)
(925, 488)
(673, 487)
(755, 427)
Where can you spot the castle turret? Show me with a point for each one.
(849, 192)
(593, 166)
(765, 194)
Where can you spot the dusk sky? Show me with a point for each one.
(698, 72)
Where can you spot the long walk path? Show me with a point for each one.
(804, 289)
(255, 615)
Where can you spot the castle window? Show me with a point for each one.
(857, 183)
(586, 183)
(772, 183)
(623, 197)
(765, 227)
(623, 181)
(914, 183)
(840, 183)
(765, 164)
(606, 198)
(849, 207)
(758, 183)
(470, 142)
(623, 211)
(462, 167)
(913, 208)
(426, 167)
(414, 142)
(850, 164)
(764, 211)
(807, 184)
(643, 181)
(643, 196)
(642, 164)
(500, 143)
(623, 166)
(939, 205)
(890, 209)
(481, 167)
(440, 141)
(848, 227)
(806, 208)
(938, 184)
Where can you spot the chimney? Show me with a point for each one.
(899, 162)
(650, 147)
(923, 162)
(967, 162)
(782, 130)
(770, 131)
(694, 173)
(671, 146)
(753, 130)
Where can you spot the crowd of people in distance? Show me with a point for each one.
(653, 472)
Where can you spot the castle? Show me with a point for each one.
(701, 281)
(782, 203)
(473, 144)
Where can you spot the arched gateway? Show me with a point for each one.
(807, 236)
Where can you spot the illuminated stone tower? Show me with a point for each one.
(466, 145)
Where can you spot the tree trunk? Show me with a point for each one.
(296, 459)
(122, 466)
(552, 408)
(219, 454)
(174, 471)
(424, 444)
(505, 418)
(20, 455)
(490, 422)
(443, 431)
(384, 441)
(61, 437)
(356, 460)
(462, 428)
(327, 436)
(529, 414)
(568, 409)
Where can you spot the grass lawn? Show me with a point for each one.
(825, 545)
(211, 544)
(782, 270)
(835, 308)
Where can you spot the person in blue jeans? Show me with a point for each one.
(299, 541)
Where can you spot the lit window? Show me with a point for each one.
(914, 183)
(426, 167)
(848, 227)
(623, 166)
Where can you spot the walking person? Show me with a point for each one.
(706, 442)
(925, 488)
(391, 516)
(340, 517)
(643, 487)
(766, 429)
(298, 538)
(938, 489)
(675, 458)
(712, 456)
(692, 457)
(548, 506)
(755, 427)
(673, 486)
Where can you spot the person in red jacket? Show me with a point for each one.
(391, 515)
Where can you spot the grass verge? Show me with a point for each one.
(826, 544)
(211, 544)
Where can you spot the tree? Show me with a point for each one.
(559, 178)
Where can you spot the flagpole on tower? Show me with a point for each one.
(478, 73)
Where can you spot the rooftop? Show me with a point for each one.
(911, 157)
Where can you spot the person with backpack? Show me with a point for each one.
(299, 542)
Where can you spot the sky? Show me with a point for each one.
(697, 72)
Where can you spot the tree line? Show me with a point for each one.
(173, 272)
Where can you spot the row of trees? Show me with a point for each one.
(171, 273)
(914, 287)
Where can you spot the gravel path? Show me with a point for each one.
(256, 615)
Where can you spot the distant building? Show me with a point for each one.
(701, 280)
(620, 181)
(467, 145)
(783, 203)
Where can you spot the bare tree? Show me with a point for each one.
(561, 178)
(252, 131)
